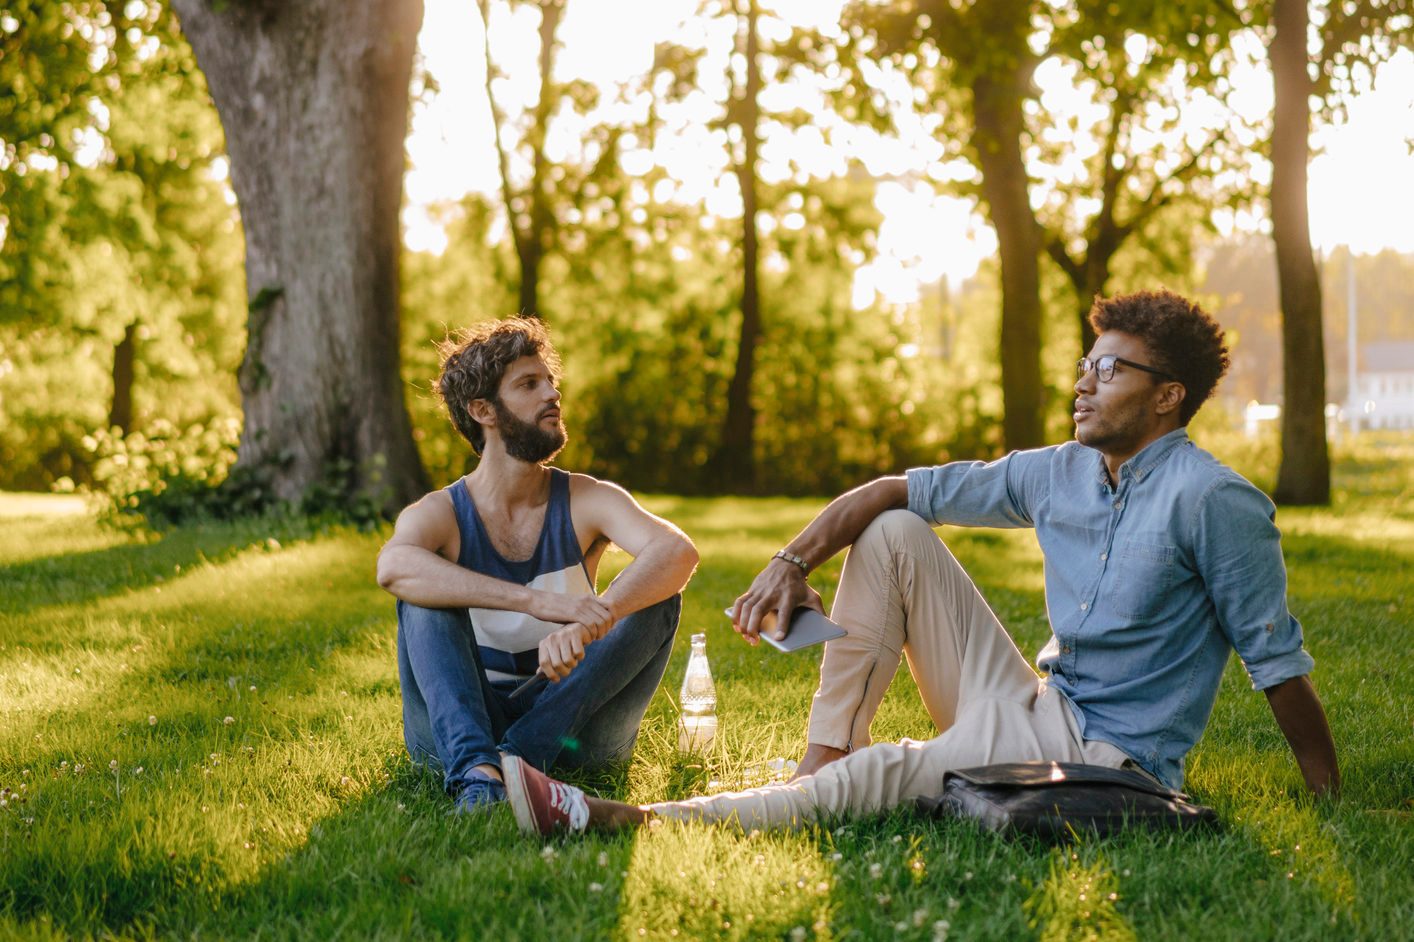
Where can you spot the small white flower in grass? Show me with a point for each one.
(953, 903)
(78, 769)
(64, 764)
(252, 688)
(798, 934)
(967, 875)
(113, 765)
(603, 858)
(402, 807)
(875, 869)
(345, 781)
(900, 927)
(547, 852)
(897, 838)
(920, 916)
(883, 899)
(229, 720)
(137, 771)
(596, 887)
(837, 856)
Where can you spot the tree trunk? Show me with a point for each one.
(1305, 474)
(998, 122)
(736, 457)
(124, 360)
(313, 97)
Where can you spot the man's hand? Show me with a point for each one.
(774, 595)
(589, 611)
(562, 651)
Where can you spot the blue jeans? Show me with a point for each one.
(456, 719)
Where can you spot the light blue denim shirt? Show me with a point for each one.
(1148, 584)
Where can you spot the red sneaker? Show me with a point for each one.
(542, 804)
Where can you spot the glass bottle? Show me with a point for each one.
(698, 724)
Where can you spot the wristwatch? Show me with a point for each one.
(792, 558)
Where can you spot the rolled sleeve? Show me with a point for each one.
(1238, 550)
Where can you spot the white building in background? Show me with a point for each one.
(1384, 391)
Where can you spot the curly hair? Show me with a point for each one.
(1182, 338)
(474, 361)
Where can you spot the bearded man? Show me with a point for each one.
(505, 648)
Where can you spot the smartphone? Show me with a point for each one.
(807, 627)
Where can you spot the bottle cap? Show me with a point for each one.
(699, 638)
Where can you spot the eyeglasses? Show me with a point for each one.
(1104, 367)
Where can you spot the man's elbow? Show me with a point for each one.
(685, 556)
(387, 571)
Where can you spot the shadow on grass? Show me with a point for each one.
(75, 578)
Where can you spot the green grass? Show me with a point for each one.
(243, 681)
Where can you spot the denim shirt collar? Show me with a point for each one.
(1146, 459)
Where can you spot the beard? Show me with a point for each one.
(527, 441)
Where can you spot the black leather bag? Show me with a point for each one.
(1052, 800)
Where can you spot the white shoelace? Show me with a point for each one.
(570, 801)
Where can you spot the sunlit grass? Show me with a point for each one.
(201, 737)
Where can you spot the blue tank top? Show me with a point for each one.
(509, 641)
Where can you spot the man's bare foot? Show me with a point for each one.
(816, 757)
(606, 815)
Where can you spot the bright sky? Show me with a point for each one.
(1361, 180)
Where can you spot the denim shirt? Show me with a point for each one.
(1148, 584)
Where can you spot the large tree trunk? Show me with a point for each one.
(998, 125)
(1305, 475)
(313, 96)
(736, 457)
(120, 416)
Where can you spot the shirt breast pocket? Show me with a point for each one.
(1144, 573)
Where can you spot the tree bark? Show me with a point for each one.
(736, 457)
(120, 416)
(1304, 476)
(998, 123)
(313, 97)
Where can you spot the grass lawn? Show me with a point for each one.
(201, 737)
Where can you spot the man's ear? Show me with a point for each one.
(1170, 398)
(482, 411)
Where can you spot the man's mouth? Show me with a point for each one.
(1082, 410)
(549, 414)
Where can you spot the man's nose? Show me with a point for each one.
(1085, 382)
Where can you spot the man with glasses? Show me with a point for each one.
(1159, 560)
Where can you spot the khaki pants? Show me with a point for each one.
(903, 593)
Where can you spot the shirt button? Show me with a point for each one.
(1084, 606)
(1066, 649)
(1119, 505)
(1104, 556)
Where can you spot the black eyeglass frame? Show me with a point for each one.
(1084, 365)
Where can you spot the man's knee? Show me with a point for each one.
(660, 618)
(416, 618)
(894, 531)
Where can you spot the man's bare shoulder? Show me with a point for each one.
(430, 521)
(586, 485)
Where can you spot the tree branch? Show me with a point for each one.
(498, 118)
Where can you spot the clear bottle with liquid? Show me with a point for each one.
(698, 724)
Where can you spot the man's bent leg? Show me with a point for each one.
(610, 734)
(902, 591)
(617, 678)
(448, 715)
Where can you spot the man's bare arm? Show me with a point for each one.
(1298, 712)
(663, 556)
(781, 588)
(411, 566)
